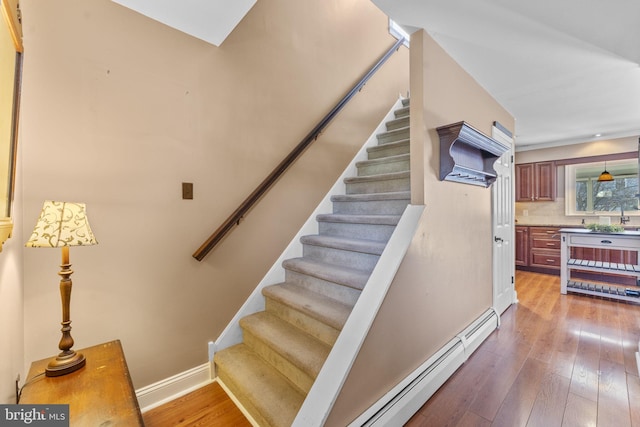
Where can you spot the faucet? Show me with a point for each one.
(623, 219)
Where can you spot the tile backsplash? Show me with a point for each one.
(553, 213)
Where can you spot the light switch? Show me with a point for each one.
(187, 191)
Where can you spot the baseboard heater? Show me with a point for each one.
(404, 400)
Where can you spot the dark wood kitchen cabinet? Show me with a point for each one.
(544, 247)
(522, 245)
(536, 182)
(538, 249)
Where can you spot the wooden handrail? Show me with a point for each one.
(249, 202)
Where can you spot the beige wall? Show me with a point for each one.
(445, 281)
(118, 110)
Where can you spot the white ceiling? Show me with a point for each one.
(565, 69)
(208, 20)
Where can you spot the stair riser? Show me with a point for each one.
(399, 122)
(346, 258)
(392, 136)
(370, 169)
(377, 232)
(296, 377)
(379, 186)
(313, 327)
(386, 150)
(387, 207)
(329, 289)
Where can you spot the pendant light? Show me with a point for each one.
(605, 176)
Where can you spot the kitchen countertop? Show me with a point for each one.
(574, 226)
(586, 231)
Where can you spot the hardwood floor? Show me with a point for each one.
(557, 360)
(206, 407)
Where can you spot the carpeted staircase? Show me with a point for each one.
(285, 346)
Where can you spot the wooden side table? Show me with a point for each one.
(101, 393)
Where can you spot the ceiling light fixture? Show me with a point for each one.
(605, 176)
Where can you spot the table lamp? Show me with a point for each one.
(63, 224)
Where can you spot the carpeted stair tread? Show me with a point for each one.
(276, 400)
(380, 177)
(301, 349)
(392, 135)
(360, 219)
(402, 112)
(397, 123)
(322, 308)
(386, 146)
(350, 277)
(388, 159)
(355, 245)
(372, 197)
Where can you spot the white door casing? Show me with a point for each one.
(502, 196)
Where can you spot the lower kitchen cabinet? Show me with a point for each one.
(522, 245)
(544, 248)
(538, 249)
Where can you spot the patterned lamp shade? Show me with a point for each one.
(62, 224)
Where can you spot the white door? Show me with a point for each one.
(502, 192)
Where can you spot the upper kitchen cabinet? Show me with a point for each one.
(536, 182)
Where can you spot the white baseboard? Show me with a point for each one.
(171, 388)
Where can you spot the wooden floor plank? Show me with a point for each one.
(633, 386)
(472, 420)
(580, 412)
(613, 396)
(462, 387)
(551, 401)
(498, 384)
(517, 405)
(584, 380)
(208, 406)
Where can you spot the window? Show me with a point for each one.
(585, 195)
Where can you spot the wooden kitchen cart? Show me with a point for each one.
(580, 237)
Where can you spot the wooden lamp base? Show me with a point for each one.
(68, 360)
(65, 363)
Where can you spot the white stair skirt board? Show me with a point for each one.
(404, 400)
(232, 334)
(238, 404)
(171, 388)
